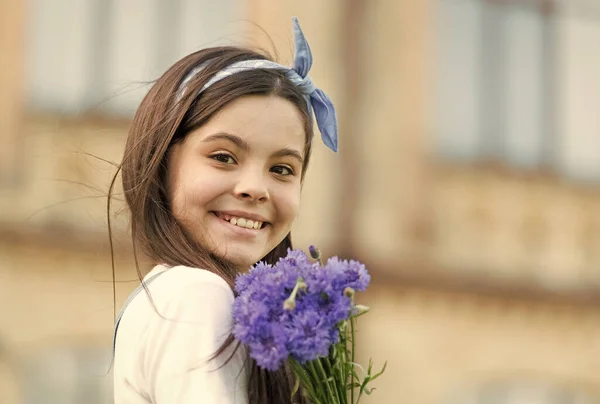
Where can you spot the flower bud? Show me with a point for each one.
(349, 292)
(360, 309)
(289, 304)
(314, 252)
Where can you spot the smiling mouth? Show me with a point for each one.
(242, 221)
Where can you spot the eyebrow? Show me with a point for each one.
(238, 141)
(242, 144)
(289, 153)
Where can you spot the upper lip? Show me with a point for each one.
(245, 215)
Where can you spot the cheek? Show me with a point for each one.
(198, 192)
(189, 192)
(174, 196)
(289, 204)
(178, 202)
(176, 181)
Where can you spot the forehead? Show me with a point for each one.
(264, 121)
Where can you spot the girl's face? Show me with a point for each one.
(234, 183)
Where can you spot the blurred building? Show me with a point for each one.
(467, 181)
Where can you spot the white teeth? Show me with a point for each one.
(246, 223)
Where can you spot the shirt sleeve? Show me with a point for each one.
(179, 343)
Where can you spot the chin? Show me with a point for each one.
(242, 260)
(244, 265)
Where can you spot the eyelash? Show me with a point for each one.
(290, 171)
(224, 159)
(221, 155)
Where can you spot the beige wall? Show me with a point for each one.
(11, 82)
(537, 230)
(442, 346)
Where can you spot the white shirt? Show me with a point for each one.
(164, 360)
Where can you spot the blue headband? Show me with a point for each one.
(298, 74)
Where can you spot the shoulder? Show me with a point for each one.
(184, 275)
(188, 319)
(182, 280)
(188, 292)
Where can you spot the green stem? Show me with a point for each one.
(352, 354)
(315, 376)
(343, 353)
(348, 374)
(305, 378)
(339, 385)
(330, 391)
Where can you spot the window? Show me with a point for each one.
(517, 83)
(99, 54)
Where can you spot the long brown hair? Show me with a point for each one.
(164, 119)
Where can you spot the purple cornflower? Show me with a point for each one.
(353, 274)
(315, 299)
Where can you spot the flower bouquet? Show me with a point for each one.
(303, 312)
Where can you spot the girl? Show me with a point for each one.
(212, 173)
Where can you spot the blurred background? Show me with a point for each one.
(468, 181)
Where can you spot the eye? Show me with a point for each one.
(282, 170)
(223, 158)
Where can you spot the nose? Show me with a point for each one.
(252, 186)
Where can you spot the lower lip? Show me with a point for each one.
(242, 231)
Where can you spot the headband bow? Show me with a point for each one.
(319, 101)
